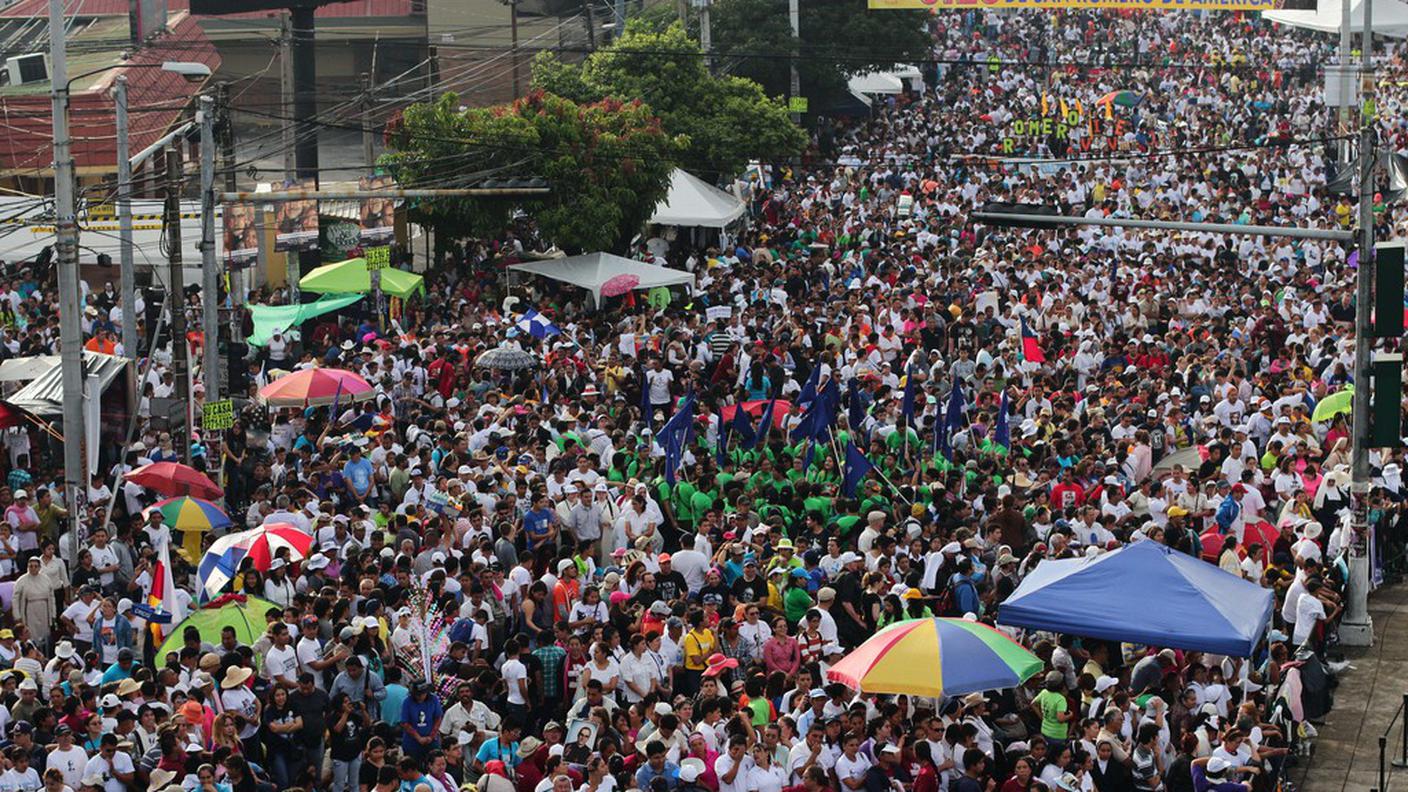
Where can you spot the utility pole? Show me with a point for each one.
(369, 135)
(1346, 77)
(286, 100)
(66, 244)
(227, 157)
(795, 16)
(590, 23)
(706, 38)
(176, 300)
(1357, 627)
(210, 273)
(513, 48)
(124, 222)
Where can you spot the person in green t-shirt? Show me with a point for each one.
(1051, 705)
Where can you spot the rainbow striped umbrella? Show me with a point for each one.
(191, 514)
(936, 657)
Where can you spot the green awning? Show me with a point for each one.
(270, 319)
(351, 277)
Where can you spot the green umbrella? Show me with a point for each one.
(245, 614)
(1341, 401)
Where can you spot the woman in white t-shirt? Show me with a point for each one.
(765, 775)
(603, 669)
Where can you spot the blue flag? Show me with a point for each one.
(764, 425)
(1002, 432)
(951, 422)
(674, 437)
(536, 325)
(809, 387)
(855, 408)
(819, 416)
(907, 403)
(857, 467)
(742, 425)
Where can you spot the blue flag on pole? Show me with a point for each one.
(855, 408)
(857, 467)
(809, 387)
(950, 422)
(1002, 432)
(764, 426)
(742, 426)
(674, 436)
(907, 403)
(537, 325)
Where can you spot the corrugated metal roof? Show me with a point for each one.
(45, 395)
(27, 144)
(353, 8)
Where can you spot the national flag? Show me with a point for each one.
(537, 325)
(1002, 432)
(674, 436)
(907, 403)
(857, 467)
(855, 408)
(162, 597)
(764, 426)
(808, 393)
(1031, 345)
(742, 425)
(950, 422)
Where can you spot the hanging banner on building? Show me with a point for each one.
(296, 222)
(241, 234)
(378, 214)
(1132, 5)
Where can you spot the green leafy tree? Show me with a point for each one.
(727, 120)
(608, 164)
(838, 39)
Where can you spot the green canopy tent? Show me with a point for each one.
(270, 319)
(352, 277)
(245, 614)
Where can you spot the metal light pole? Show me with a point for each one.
(795, 16)
(66, 244)
(210, 273)
(1357, 627)
(124, 222)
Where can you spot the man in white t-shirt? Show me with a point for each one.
(68, 758)
(114, 767)
(281, 662)
(76, 617)
(732, 766)
(851, 764)
(235, 696)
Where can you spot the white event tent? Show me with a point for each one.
(591, 270)
(694, 202)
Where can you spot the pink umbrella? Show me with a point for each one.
(619, 285)
(316, 387)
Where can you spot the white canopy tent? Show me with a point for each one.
(886, 82)
(1390, 17)
(694, 202)
(592, 270)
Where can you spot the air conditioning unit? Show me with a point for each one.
(25, 69)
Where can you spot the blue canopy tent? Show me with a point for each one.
(1145, 593)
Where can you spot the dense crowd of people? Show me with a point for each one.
(611, 624)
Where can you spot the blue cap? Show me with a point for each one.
(799, 572)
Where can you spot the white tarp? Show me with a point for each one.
(694, 202)
(44, 396)
(891, 82)
(24, 369)
(1390, 17)
(591, 270)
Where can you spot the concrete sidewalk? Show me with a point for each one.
(1347, 750)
